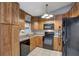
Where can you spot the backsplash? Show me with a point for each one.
(38, 32)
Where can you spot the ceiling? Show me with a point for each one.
(38, 8)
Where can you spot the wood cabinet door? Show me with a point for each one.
(9, 13)
(5, 12)
(36, 42)
(40, 25)
(34, 25)
(22, 16)
(39, 41)
(9, 40)
(15, 13)
(22, 24)
(5, 40)
(57, 44)
(32, 44)
(15, 41)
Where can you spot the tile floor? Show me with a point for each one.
(44, 52)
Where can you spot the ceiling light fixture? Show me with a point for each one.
(46, 15)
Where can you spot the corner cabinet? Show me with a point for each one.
(36, 41)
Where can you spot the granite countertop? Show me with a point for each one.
(26, 37)
(31, 36)
(23, 37)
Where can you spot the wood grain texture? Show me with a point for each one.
(32, 43)
(39, 41)
(9, 20)
(5, 40)
(15, 13)
(57, 44)
(73, 12)
(36, 42)
(22, 19)
(34, 24)
(58, 40)
(15, 41)
(9, 13)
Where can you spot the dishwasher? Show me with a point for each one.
(25, 47)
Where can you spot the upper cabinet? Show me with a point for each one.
(9, 13)
(34, 23)
(73, 12)
(38, 23)
(22, 19)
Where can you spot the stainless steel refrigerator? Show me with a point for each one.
(71, 36)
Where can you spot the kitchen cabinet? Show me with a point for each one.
(73, 12)
(57, 44)
(40, 25)
(34, 24)
(32, 43)
(9, 40)
(58, 38)
(15, 14)
(5, 40)
(37, 23)
(9, 13)
(15, 41)
(9, 29)
(36, 41)
(39, 41)
(22, 19)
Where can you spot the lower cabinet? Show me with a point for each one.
(15, 41)
(36, 41)
(39, 41)
(5, 40)
(57, 44)
(32, 43)
(9, 40)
